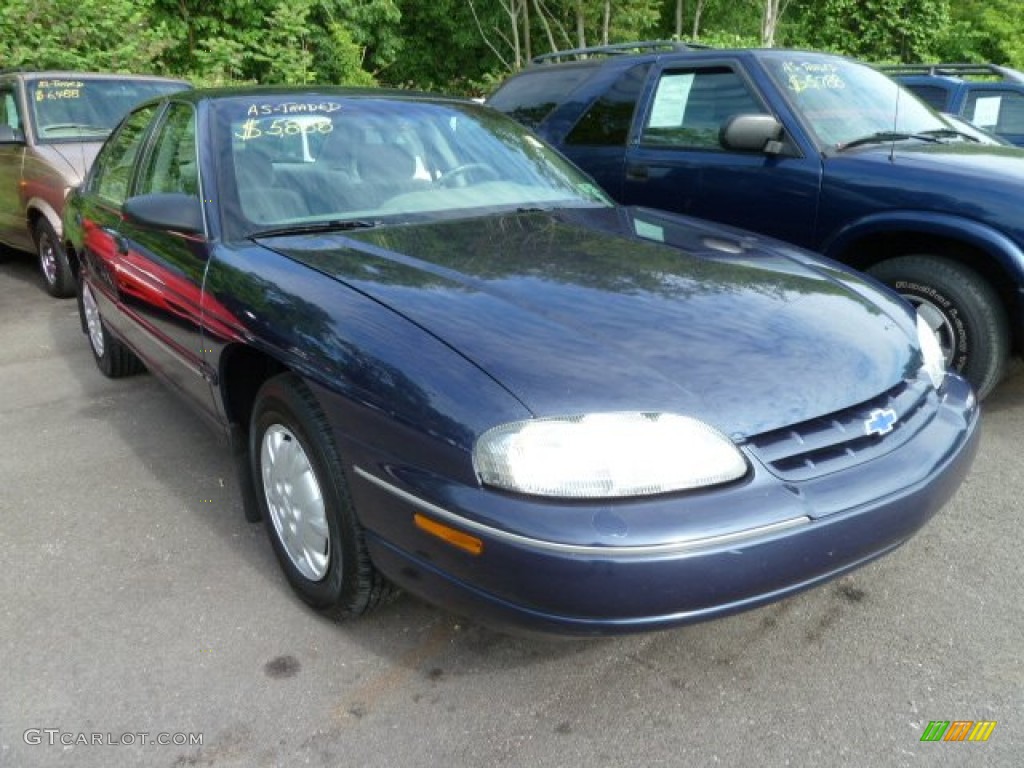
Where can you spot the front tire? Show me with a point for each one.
(112, 357)
(961, 308)
(305, 503)
(58, 279)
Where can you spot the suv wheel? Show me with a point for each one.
(961, 308)
(58, 279)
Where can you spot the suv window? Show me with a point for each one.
(171, 166)
(997, 110)
(84, 109)
(112, 172)
(933, 95)
(531, 97)
(690, 106)
(9, 109)
(607, 122)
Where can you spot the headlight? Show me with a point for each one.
(934, 361)
(606, 455)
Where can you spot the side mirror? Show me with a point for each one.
(173, 211)
(752, 133)
(10, 135)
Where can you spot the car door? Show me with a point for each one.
(13, 227)
(675, 160)
(155, 276)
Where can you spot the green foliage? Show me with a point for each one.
(989, 31)
(876, 30)
(108, 35)
(463, 46)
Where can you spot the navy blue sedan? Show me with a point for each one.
(447, 363)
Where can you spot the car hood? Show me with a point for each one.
(573, 311)
(71, 160)
(977, 162)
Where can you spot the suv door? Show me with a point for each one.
(13, 227)
(676, 161)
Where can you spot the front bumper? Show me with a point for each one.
(602, 568)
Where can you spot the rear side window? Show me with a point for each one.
(999, 111)
(112, 171)
(932, 95)
(532, 96)
(691, 106)
(607, 122)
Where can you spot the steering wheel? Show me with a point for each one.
(459, 171)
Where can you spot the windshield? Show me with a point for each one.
(298, 161)
(842, 101)
(83, 109)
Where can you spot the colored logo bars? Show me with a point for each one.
(958, 730)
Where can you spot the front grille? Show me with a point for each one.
(839, 441)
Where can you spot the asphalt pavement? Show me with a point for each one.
(145, 622)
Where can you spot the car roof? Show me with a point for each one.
(348, 92)
(954, 71)
(628, 54)
(65, 74)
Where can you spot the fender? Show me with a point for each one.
(1004, 251)
(47, 211)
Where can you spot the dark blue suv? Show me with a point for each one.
(815, 149)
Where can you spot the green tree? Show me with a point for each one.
(875, 30)
(106, 35)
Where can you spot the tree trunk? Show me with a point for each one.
(678, 29)
(527, 44)
(606, 21)
(697, 12)
(581, 31)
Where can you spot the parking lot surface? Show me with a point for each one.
(139, 607)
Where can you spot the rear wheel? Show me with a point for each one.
(305, 502)
(112, 357)
(961, 308)
(58, 279)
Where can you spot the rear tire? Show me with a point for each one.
(112, 357)
(58, 279)
(961, 307)
(304, 500)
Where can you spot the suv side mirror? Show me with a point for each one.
(10, 135)
(752, 133)
(172, 211)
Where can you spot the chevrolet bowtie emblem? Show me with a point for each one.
(881, 422)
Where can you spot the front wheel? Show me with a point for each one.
(961, 308)
(58, 279)
(305, 503)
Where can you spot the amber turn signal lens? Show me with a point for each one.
(463, 541)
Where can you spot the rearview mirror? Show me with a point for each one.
(172, 211)
(752, 133)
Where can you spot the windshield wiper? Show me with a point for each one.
(883, 137)
(953, 132)
(339, 225)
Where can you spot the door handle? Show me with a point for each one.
(637, 172)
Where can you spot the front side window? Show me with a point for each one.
(9, 114)
(87, 109)
(112, 171)
(172, 164)
(691, 106)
